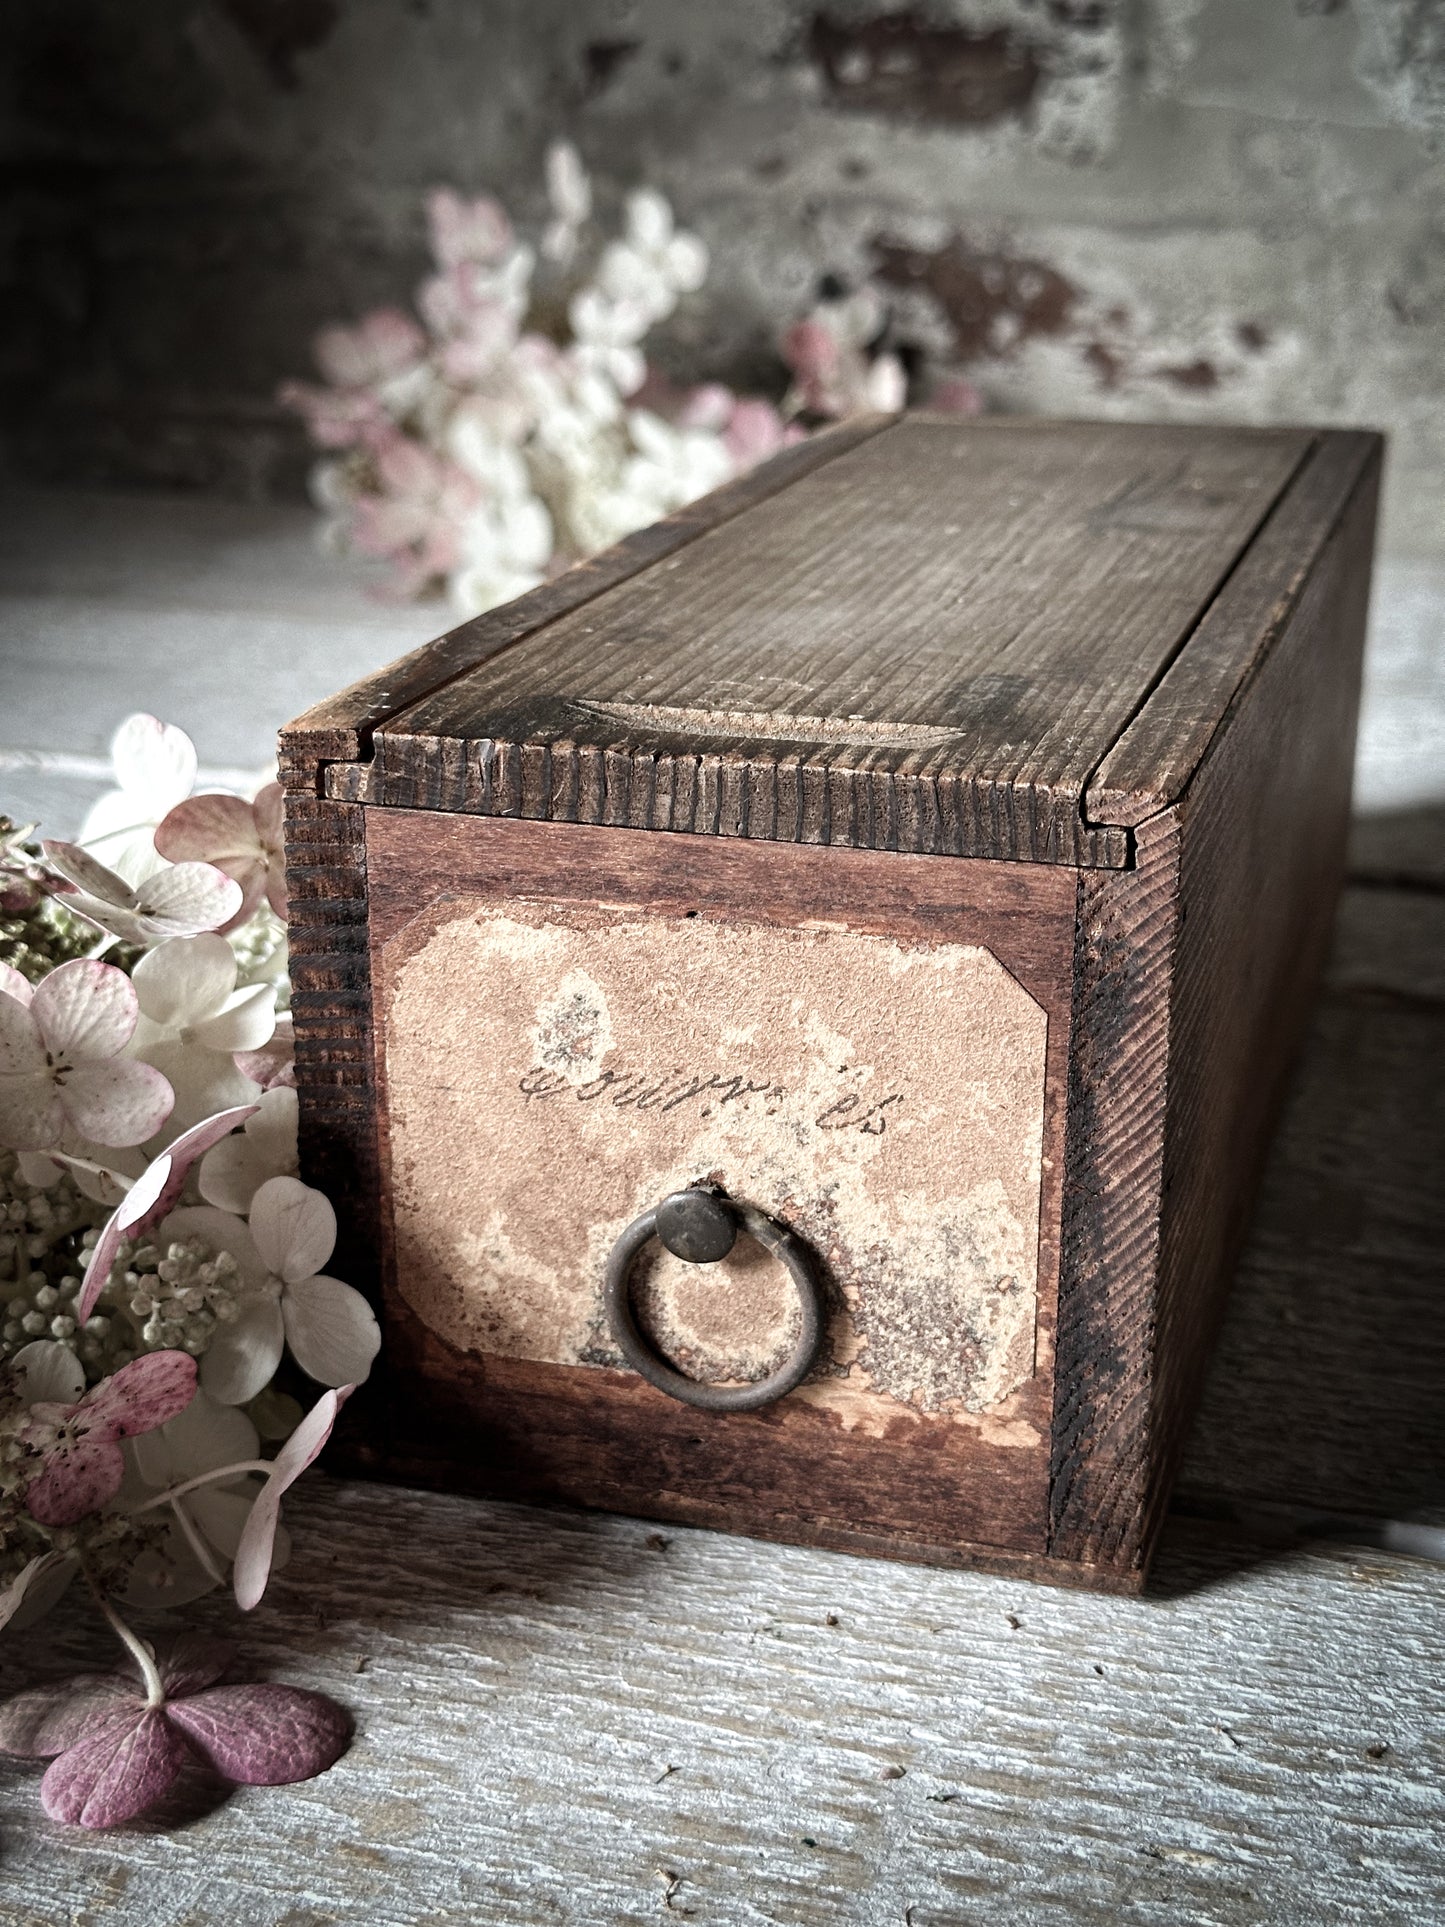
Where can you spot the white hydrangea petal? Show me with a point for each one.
(649, 218)
(233, 1173)
(48, 1374)
(685, 263)
(85, 1009)
(206, 1436)
(204, 1082)
(185, 979)
(188, 898)
(235, 1170)
(294, 1227)
(243, 1355)
(245, 1021)
(22, 1046)
(151, 1454)
(154, 762)
(116, 1101)
(167, 1576)
(32, 1117)
(569, 190)
(42, 1170)
(331, 1329)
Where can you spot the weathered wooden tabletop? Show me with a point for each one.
(580, 1719)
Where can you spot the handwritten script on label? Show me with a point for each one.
(624, 1089)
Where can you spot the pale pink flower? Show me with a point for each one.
(63, 1081)
(241, 839)
(837, 371)
(464, 230)
(955, 395)
(82, 1464)
(416, 518)
(382, 344)
(176, 902)
(256, 1551)
(756, 430)
(328, 1326)
(334, 417)
(116, 1749)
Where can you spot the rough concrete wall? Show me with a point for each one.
(1184, 208)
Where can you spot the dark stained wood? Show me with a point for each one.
(1262, 844)
(925, 646)
(600, 1437)
(331, 1003)
(1113, 1199)
(604, 1439)
(339, 730)
(1149, 766)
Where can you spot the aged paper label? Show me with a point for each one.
(554, 1070)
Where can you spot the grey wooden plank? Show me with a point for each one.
(558, 1717)
(1325, 1388)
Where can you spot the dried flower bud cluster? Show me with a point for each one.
(45, 1238)
(176, 1294)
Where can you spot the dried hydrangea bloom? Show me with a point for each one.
(64, 1081)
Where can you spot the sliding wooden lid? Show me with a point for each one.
(1007, 638)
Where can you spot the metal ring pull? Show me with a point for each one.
(701, 1227)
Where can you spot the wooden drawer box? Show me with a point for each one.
(928, 843)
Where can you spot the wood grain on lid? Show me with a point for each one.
(929, 643)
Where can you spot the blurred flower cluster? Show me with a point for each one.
(161, 1262)
(518, 426)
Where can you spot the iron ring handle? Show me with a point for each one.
(721, 1219)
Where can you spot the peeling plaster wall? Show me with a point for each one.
(1196, 209)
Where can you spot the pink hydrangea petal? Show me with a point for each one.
(144, 1394)
(275, 1063)
(87, 873)
(85, 1009)
(263, 1735)
(126, 1763)
(79, 1480)
(14, 985)
(253, 1556)
(116, 1101)
(193, 1661)
(210, 828)
(268, 807)
(46, 1720)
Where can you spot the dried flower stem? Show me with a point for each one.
(197, 1544)
(133, 1643)
(242, 1466)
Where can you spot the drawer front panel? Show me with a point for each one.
(572, 1023)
